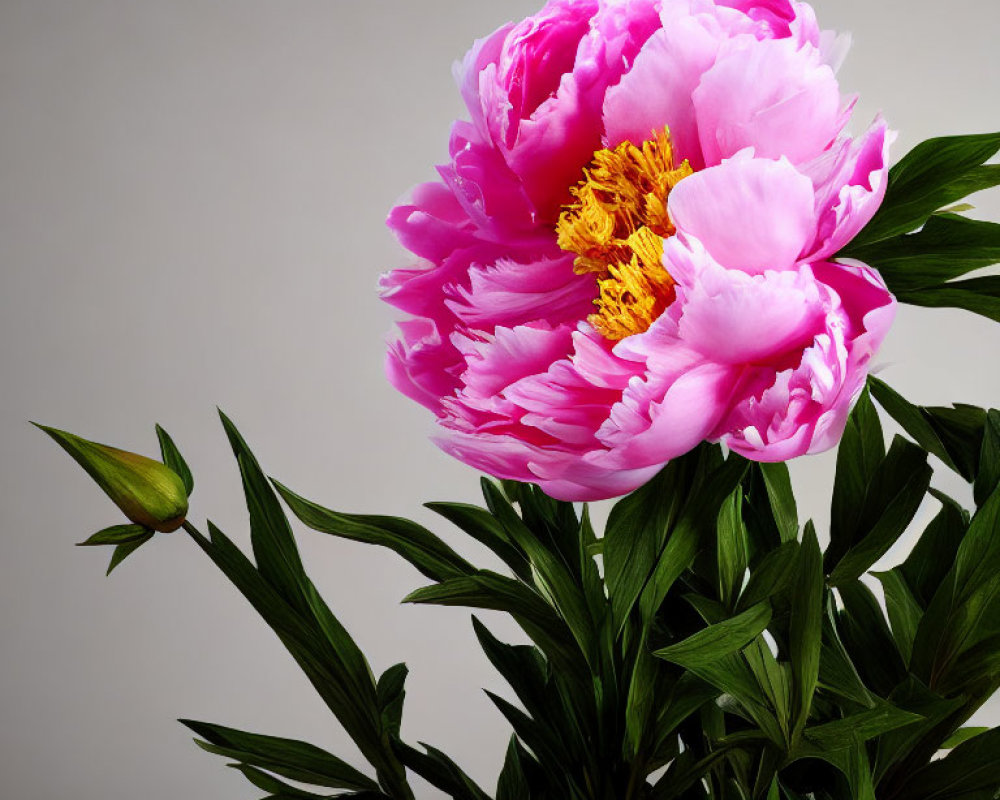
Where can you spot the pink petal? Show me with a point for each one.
(510, 293)
(772, 95)
(752, 214)
(734, 318)
(656, 92)
(850, 185)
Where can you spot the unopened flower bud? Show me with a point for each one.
(148, 492)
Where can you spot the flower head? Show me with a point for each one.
(629, 250)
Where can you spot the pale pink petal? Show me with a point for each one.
(656, 92)
(752, 214)
(774, 96)
(734, 318)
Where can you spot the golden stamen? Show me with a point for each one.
(616, 226)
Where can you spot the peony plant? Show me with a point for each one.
(657, 264)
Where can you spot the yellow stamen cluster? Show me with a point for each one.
(616, 226)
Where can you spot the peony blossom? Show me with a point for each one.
(631, 249)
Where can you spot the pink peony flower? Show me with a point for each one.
(629, 251)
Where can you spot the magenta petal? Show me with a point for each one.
(421, 364)
(510, 293)
(752, 214)
(850, 185)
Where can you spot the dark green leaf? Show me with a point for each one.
(988, 474)
(865, 634)
(806, 627)
(295, 760)
(904, 610)
(935, 174)
(439, 770)
(554, 578)
(117, 534)
(172, 458)
(513, 783)
(636, 530)
(715, 641)
(731, 548)
(947, 247)
(846, 732)
(274, 546)
(779, 492)
(123, 551)
(934, 553)
(962, 735)
(978, 295)
(970, 767)
(893, 497)
(416, 544)
(861, 451)
(693, 526)
(484, 528)
(770, 576)
(391, 693)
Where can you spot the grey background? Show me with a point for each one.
(191, 207)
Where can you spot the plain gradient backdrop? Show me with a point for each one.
(192, 196)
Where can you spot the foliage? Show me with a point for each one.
(705, 647)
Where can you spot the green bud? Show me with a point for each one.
(148, 492)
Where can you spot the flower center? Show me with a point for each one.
(616, 227)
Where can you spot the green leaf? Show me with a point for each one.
(956, 618)
(439, 770)
(860, 727)
(971, 767)
(482, 526)
(279, 790)
(952, 434)
(290, 758)
(865, 634)
(978, 295)
(934, 553)
(636, 530)
(988, 475)
(962, 735)
(488, 590)
(806, 627)
(553, 577)
(861, 451)
(722, 639)
(513, 783)
(693, 526)
(391, 692)
(893, 497)
(935, 174)
(124, 550)
(772, 573)
(947, 247)
(172, 458)
(905, 612)
(274, 546)
(118, 534)
(779, 492)
(416, 544)
(325, 652)
(731, 548)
